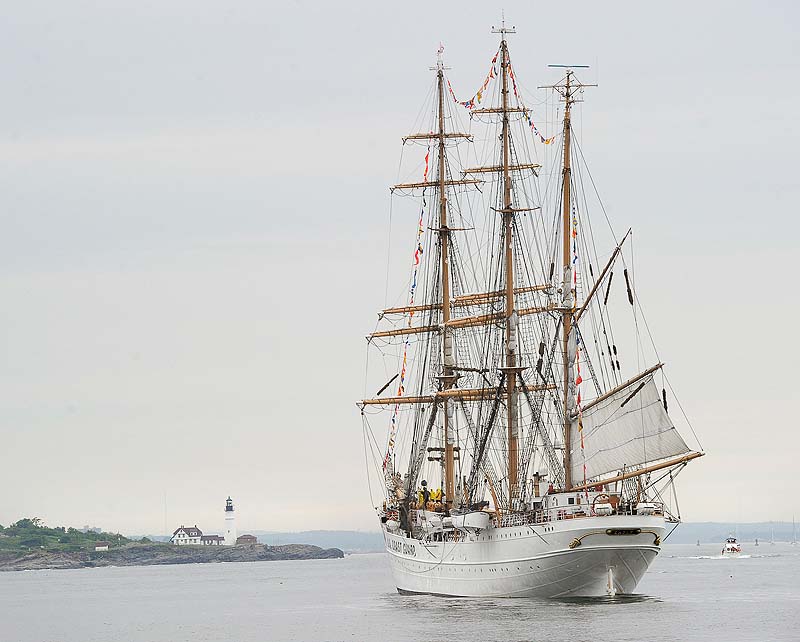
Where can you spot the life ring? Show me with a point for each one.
(602, 498)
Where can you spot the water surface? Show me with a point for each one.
(690, 593)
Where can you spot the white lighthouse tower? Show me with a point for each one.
(230, 523)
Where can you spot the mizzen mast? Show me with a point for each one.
(568, 89)
(568, 298)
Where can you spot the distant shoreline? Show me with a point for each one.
(160, 554)
(685, 533)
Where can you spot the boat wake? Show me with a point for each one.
(722, 557)
(628, 598)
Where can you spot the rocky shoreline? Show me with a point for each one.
(160, 554)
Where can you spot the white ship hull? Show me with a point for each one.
(532, 560)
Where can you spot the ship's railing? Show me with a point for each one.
(573, 511)
(516, 519)
(547, 515)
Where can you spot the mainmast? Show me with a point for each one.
(448, 378)
(511, 318)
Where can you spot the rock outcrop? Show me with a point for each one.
(150, 554)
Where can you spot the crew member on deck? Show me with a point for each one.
(426, 494)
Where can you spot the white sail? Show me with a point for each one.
(626, 428)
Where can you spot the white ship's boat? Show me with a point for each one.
(552, 471)
(731, 548)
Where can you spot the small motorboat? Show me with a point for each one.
(731, 547)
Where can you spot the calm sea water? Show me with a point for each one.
(689, 594)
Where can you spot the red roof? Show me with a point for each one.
(246, 539)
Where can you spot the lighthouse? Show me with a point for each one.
(230, 523)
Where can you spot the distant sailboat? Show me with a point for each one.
(772, 536)
(794, 533)
(756, 541)
(698, 542)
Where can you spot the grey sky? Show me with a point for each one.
(193, 213)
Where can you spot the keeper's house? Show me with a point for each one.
(191, 535)
(186, 535)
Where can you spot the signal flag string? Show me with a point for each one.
(578, 377)
(418, 251)
(478, 97)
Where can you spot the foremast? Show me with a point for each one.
(511, 319)
(446, 396)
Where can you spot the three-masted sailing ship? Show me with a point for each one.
(519, 460)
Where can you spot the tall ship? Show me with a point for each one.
(516, 451)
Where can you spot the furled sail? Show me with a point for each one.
(624, 428)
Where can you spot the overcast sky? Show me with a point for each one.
(194, 208)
